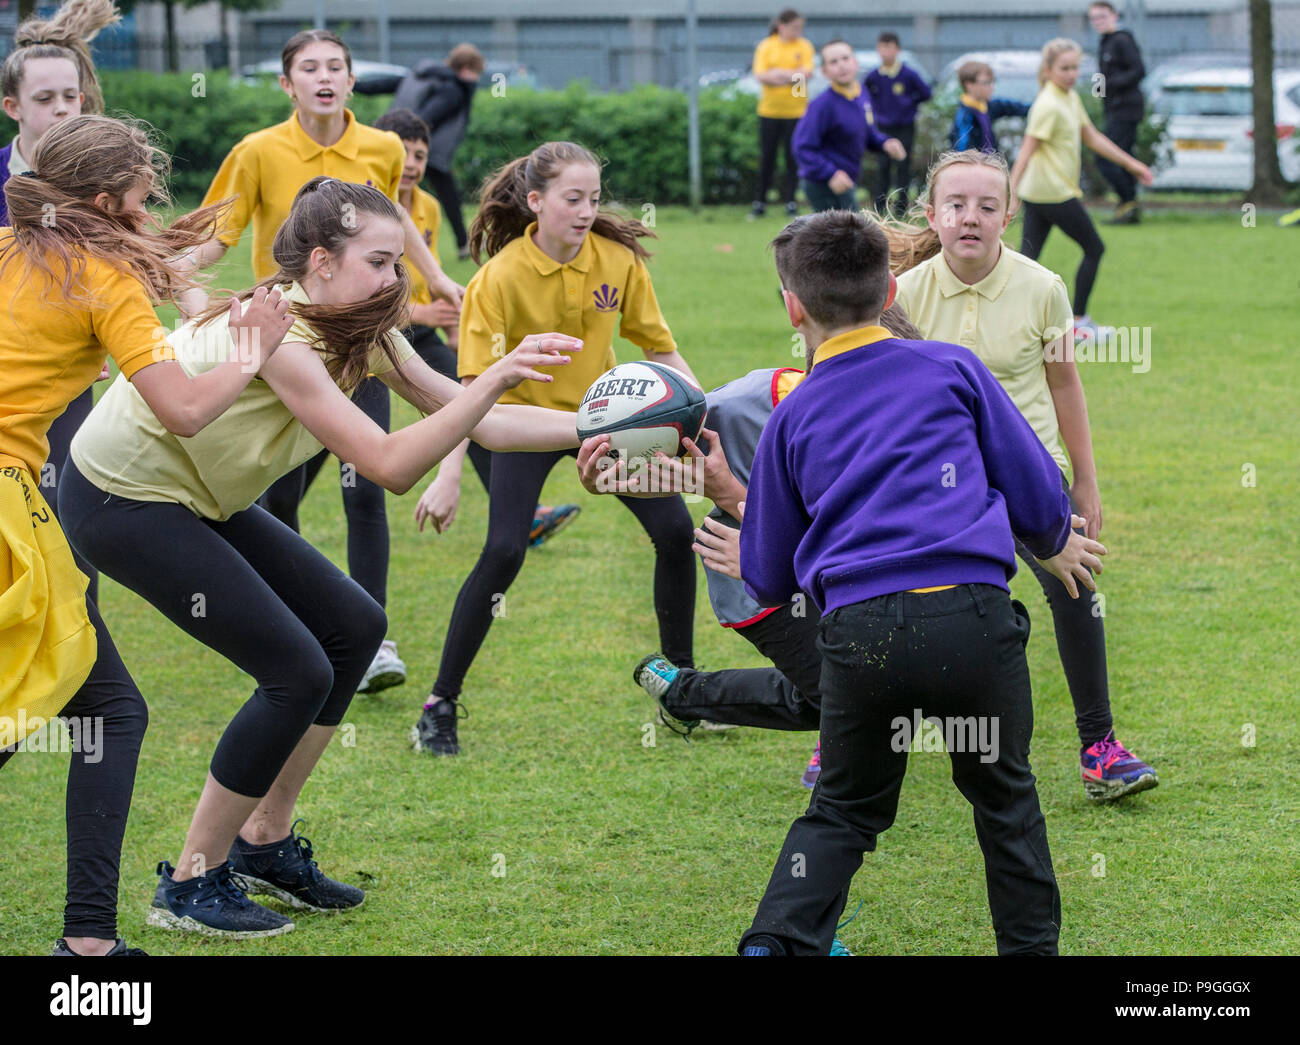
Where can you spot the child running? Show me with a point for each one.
(883, 487)
(1045, 177)
(79, 290)
(555, 258)
(969, 288)
(977, 109)
(176, 523)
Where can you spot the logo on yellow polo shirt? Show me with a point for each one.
(606, 298)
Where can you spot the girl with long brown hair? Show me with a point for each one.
(80, 270)
(176, 522)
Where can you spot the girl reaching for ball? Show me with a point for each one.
(554, 258)
(175, 521)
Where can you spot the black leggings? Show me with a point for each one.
(363, 500)
(1072, 219)
(444, 187)
(101, 777)
(60, 435)
(517, 480)
(776, 137)
(254, 591)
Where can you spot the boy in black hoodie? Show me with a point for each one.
(1120, 64)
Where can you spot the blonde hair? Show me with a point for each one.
(1052, 50)
(66, 35)
(912, 241)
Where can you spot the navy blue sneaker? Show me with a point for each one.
(286, 871)
(119, 950)
(212, 904)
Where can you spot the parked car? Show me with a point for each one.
(372, 77)
(1211, 127)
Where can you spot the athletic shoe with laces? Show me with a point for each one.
(814, 770)
(119, 950)
(1111, 771)
(838, 950)
(548, 521)
(1086, 330)
(212, 904)
(435, 732)
(385, 671)
(656, 674)
(1126, 214)
(286, 871)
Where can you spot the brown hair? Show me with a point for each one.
(912, 241)
(405, 124)
(57, 224)
(504, 214)
(1052, 50)
(66, 35)
(465, 56)
(324, 215)
(310, 36)
(969, 72)
(837, 264)
(783, 17)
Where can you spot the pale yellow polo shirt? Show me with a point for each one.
(782, 102)
(1056, 119)
(521, 290)
(1007, 319)
(124, 449)
(267, 168)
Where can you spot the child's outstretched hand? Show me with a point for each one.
(258, 327)
(1075, 560)
(536, 350)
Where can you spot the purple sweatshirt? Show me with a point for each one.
(896, 465)
(833, 134)
(895, 98)
(5, 153)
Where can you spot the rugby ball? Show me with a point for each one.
(643, 408)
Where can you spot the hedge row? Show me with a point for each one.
(640, 133)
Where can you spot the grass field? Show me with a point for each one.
(560, 831)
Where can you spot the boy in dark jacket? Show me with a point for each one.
(1120, 63)
(972, 126)
(887, 486)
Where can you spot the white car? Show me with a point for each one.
(1211, 127)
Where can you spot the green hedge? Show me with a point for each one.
(641, 134)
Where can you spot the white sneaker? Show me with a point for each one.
(385, 671)
(1085, 329)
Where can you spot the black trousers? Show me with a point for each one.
(430, 347)
(1124, 134)
(775, 137)
(1072, 219)
(101, 779)
(516, 482)
(785, 696)
(364, 506)
(956, 654)
(444, 188)
(252, 590)
(894, 174)
(60, 435)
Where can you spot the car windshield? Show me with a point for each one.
(1204, 100)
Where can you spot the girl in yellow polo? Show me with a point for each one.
(964, 285)
(783, 65)
(264, 172)
(78, 290)
(553, 258)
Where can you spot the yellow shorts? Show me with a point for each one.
(47, 643)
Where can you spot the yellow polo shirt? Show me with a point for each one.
(267, 168)
(1056, 119)
(123, 449)
(1007, 319)
(522, 291)
(426, 215)
(782, 102)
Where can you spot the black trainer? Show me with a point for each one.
(212, 904)
(435, 732)
(119, 950)
(286, 871)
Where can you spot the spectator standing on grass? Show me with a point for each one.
(441, 95)
(783, 62)
(836, 131)
(1120, 62)
(896, 90)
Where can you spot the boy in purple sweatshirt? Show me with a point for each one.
(887, 486)
(896, 91)
(835, 132)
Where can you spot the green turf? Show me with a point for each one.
(611, 846)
